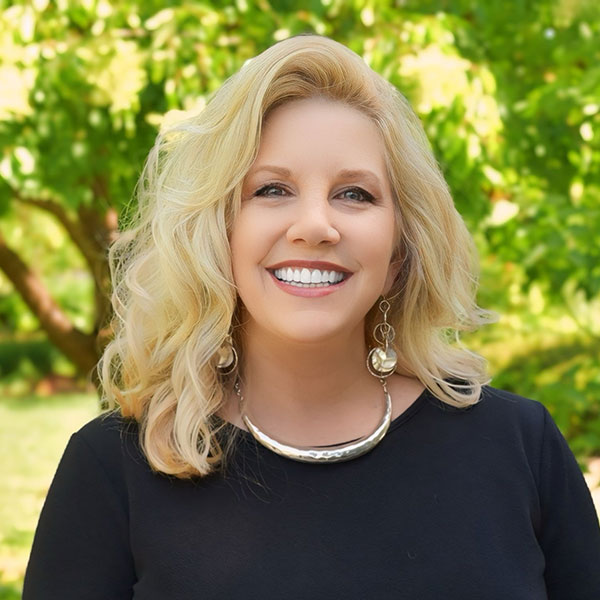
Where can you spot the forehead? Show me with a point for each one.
(316, 131)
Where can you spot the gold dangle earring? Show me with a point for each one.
(227, 357)
(382, 360)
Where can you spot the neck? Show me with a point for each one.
(310, 391)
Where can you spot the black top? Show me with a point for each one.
(486, 503)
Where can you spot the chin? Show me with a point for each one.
(312, 332)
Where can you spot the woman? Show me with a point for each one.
(288, 296)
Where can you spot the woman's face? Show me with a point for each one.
(312, 243)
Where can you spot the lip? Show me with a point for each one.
(315, 292)
(310, 264)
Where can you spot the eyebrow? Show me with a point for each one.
(343, 174)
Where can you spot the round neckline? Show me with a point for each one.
(404, 416)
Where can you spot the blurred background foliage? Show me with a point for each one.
(508, 91)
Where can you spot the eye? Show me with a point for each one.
(357, 194)
(266, 190)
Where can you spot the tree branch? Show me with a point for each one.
(86, 245)
(92, 234)
(78, 346)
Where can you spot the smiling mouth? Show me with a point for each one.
(309, 278)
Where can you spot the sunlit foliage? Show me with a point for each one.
(509, 93)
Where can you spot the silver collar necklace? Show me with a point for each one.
(334, 453)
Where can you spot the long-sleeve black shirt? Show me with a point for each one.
(486, 503)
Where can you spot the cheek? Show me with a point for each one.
(245, 238)
(382, 245)
(250, 242)
(379, 241)
(241, 245)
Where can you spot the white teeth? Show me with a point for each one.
(308, 277)
(305, 276)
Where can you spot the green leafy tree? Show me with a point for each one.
(508, 92)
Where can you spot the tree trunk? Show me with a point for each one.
(91, 233)
(78, 346)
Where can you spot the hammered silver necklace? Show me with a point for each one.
(310, 454)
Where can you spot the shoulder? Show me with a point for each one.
(106, 426)
(513, 412)
(500, 404)
(503, 418)
(110, 440)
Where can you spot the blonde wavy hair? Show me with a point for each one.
(174, 297)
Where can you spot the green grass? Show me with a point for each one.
(34, 431)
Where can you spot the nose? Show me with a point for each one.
(312, 223)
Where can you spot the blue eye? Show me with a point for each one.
(359, 195)
(263, 191)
